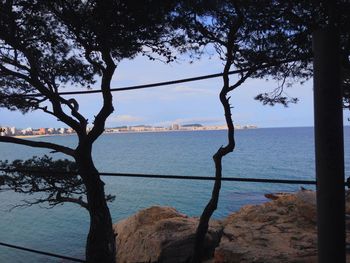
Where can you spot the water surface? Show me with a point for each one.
(283, 153)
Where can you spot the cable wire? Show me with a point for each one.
(171, 82)
(143, 86)
(180, 177)
(41, 252)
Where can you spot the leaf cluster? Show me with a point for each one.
(272, 37)
(52, 182)
(63, 42)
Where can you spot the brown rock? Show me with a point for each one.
(160, 234)
(306, 205)
(282, 230)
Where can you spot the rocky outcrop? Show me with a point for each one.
(282, 230)
(160, 234)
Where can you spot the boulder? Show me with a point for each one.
(282, 230)
(161, 234)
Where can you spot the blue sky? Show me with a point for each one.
(195, 102)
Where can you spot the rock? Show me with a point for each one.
(306, 205)
(282, 230)
(160, 234)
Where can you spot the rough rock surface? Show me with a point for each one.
(283, 230)
(160, 234)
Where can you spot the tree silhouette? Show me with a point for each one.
(48, 45)
(267, 38)
(57, 180)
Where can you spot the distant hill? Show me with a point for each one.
(192, 125)
(142, 126)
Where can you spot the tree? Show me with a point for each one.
(230, 26)
(58, 181)
(263, 39)
(48, 45)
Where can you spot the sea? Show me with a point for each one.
(279, 153)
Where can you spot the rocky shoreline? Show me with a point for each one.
(281, 230)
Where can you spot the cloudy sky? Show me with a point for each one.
(194, 102)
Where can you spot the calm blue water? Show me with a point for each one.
(262, 153)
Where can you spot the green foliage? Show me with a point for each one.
(57, 181)
(46, 44)
(263, 34)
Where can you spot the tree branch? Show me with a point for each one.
(107, 108)
(52, 202)
(7, 71)
(34, 80)
(47, 145)
(75, 112)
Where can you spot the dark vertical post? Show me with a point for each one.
(329, 146)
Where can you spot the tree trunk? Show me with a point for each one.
(100, 245)
(203, 225)
(208, 211)
(329, 146)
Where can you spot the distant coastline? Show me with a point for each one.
(43, 132)
(43, 135)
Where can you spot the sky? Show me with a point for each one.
(193, 102)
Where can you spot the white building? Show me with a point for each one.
(175, 126)
(51, 130)
(62, 130)
(13, 131)
(27, 131)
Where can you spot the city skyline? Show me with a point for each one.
(15, 131)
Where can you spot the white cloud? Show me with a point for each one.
(124, 119)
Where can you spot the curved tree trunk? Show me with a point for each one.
(100, 245)
(208, 211)
(203, 225)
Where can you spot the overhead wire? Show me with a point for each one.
(41, 252)
(171, 82)
(162, 176)
(143, 86)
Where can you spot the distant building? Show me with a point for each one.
(4, 131)
(27, 131)
(13, 131)
(70, 130)
(175, 126)
(192, 127)
(42, 131)
(159, 128)
(36, 132)
(62, 130)
(51, 130)
(140, 128)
